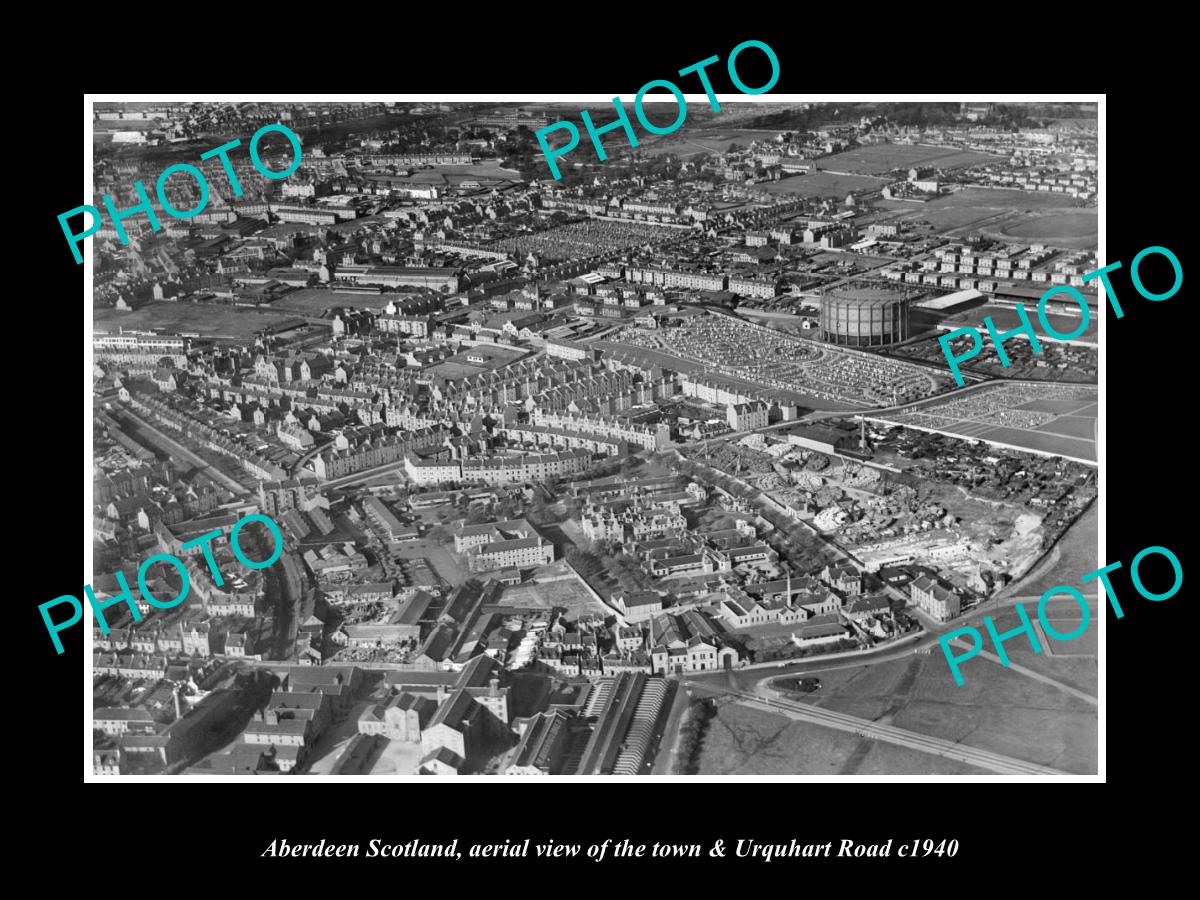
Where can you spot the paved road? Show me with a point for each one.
(983, 759)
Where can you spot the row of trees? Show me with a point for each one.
(691, 735)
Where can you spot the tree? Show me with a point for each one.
(585, 563)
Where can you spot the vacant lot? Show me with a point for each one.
(882, 158)
(564, 591)
(1073, 556)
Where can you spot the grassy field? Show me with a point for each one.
(1005, 318)
(1053, 229)
(745, 741)
(995, 709)
(707, 140)
(881, 158)
(821, 184)
(997, 213)
(314, 301)
(208, 320)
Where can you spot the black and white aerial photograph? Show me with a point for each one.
(427, 440)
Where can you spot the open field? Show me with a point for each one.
(489, 169)
(1005, 318)
(1073, 662)
(314, 301)
(1065, 617)
(706, 140)
(746, 741)
(1010, 215)
(878, 159)
(995, 709)
(1053, 229)
(207, 320)
(821, 184)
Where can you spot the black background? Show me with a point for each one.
(1001, 830)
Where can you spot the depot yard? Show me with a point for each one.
(879, 159)
(1016, 415)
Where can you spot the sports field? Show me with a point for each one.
(822, 184)
(1006, 318)
(1011, 215)
(1055, 419)
(207, 320)
(879, 159)
(315, 301)
(1054, 228)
